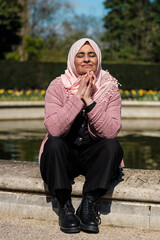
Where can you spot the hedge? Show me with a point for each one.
(26, 75)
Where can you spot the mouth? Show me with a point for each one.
(86, 65)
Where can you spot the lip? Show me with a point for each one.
(87, 65)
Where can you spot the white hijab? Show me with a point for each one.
(104, 83)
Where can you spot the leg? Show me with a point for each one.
(55, 170)
(55, 164)
(100, 163)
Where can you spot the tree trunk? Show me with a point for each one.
(25, 29)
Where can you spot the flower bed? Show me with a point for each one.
(141, 94)
(38, 95)
(22, 95)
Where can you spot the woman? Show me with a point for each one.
(82, 117)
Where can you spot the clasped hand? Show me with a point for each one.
(85, 89)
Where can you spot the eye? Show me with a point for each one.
(80, 55)
(92, 54)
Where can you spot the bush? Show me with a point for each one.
(136, 76)
(28, 75)
(31, 75)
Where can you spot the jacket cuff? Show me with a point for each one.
(90, 107)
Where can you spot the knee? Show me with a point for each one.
(55, 143)
(112, 145)
(110, 142)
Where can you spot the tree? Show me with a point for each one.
(25, 28)
(155, 33)
(40, 19)
(128, 29)
(46, 16)
(10, 25)
(56, 46)
(33, 47)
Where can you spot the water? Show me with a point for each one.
(141, 152)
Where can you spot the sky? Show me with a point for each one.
(89, 7)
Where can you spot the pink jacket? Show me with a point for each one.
(61, 108)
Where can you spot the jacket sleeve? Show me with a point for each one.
(105, 122)
(60, 114)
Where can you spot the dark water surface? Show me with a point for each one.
(141, 152)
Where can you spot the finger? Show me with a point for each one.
(90, 85)
(94, 79)
(92, 75)
(87, 79)
(83, 78)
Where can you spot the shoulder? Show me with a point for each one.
(56, 82)
(106, 76)
(55, 89)
(55, 85)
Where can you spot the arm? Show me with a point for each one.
(59, 112)
(105, 121)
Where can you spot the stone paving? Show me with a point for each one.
(25, 229)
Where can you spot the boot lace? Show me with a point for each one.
(68, 208)
(97, 214)
(90, 210)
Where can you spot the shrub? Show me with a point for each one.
(24, 75)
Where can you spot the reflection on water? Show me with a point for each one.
(20, 149)
(141, 152)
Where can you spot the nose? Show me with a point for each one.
(86, 58)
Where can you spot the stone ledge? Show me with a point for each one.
(35, 110)
(141, 103)
(134, 202)
(117, 213)
(136, 184)
(21, 104)
(41, 103)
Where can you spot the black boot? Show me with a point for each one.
(68, 222)
(87, 215)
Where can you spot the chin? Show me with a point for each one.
(84, 71)
(87, 70)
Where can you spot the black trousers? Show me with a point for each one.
(61, 163)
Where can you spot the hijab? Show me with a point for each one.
(104, 81)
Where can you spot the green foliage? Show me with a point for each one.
(132, 30)
(33, 47)
(22, 95)
(26, 75)
(156, 30)
(13, 56)
(141, 94)
(38, 95)
(31, 75)
(52, 50)
(10, 25)
(136, 76)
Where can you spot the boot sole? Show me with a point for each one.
(89, 228)
(70, 230)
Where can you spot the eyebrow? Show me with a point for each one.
(83, 52)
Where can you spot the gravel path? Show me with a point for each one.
(25, 229)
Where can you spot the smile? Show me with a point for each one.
(87, 65)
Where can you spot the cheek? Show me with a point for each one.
(96, 63)
(95, 60)
(76, 63)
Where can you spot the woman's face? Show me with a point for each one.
(86, 60)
